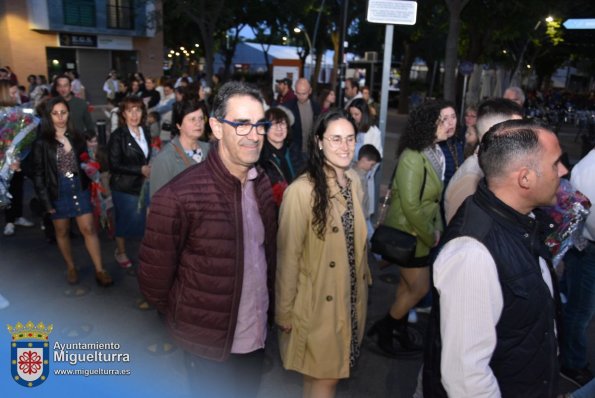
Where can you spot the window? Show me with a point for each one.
(120, 14)
(79, 12)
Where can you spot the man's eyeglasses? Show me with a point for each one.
(336, 140)
(245, 128)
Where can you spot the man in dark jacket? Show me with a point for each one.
(493, 327)
(79, 113)
(208, 254)
(305, 111)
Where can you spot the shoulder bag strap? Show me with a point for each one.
(386, 200)
(182, 155)
(423, 184)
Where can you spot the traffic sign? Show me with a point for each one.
(580, 23)
(394, 12)
(466, 68)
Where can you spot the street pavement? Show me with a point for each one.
(33, 280)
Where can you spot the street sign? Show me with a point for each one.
(393, 12)
(466, 68)
(580, 23)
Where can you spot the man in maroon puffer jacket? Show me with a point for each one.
(208, 254)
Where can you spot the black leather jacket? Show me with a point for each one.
(126, 160)
(45, 167)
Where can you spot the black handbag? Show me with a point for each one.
(392, 244)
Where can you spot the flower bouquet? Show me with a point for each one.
(100, 201)
(569, 214)
(278, 189)
(17, 133)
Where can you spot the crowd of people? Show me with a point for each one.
(254, 213)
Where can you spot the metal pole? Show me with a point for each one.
(386, 62)
(436, 66)
(464, 100)
(311, 54)
(342, 67)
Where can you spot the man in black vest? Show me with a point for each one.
(492, 332)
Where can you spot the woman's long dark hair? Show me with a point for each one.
(47, 129)
(422, 124)
(317, 169)
(360, 104)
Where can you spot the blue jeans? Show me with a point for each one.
(586, 391)
(580, 282)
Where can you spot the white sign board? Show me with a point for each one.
(580, 23)
(114, 42)
(393, 12)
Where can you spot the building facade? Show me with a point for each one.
(49, 37)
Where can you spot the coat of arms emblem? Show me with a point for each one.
(29, 353)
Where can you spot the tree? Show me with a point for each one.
(455, 7)
(206, 15)
(419, 40)
(232, 38)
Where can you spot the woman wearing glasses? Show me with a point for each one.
(62, 186)
(186, 148)
(322, 270)
(129, 152)
(279, 163)
(415, 209)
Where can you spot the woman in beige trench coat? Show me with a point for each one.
(322, 271)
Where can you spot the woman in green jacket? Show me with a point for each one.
(415, 209)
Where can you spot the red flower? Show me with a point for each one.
(278, 189)
(84, 157)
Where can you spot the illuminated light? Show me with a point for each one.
(528, 66)
(504, 52)
(169, 55)
(182, 48)
(177, 54)
(284, 38)
(192, 52)
(196, 45)
(55, 62)
(297, 30)
(549, 19)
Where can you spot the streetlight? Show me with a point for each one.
(520, 60)
(298, 31)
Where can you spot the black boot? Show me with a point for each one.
(384, 329)
(404, 337)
